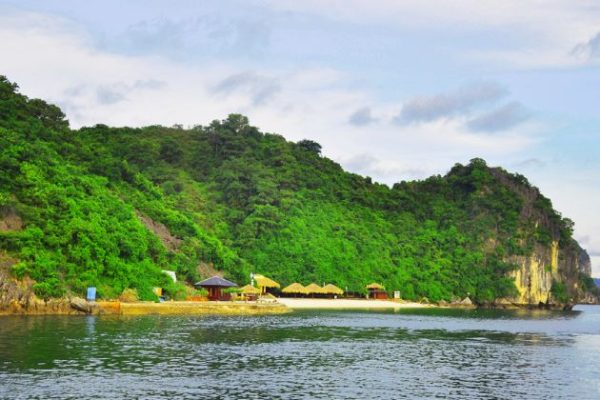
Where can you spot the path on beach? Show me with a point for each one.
(295, 303)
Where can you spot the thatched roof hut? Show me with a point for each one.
(313, 288)
(249, 289)
(264, 282)
(376, 291)
(332, 289)
(375, 286)
(295, 288)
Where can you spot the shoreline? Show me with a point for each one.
(82, 307)
(77, 306)
(281, 306)
(348, 304)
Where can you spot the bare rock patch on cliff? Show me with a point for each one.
(170, 241)
(10, 221)
(208, 269)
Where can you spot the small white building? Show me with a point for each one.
(171, 274)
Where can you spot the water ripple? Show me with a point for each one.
(437, 354)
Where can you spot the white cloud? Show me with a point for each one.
(443, 105)
(260, 88)
(589, 50)
(500, 119)
(540, 15)
(138, 90)
(394, 171)
(543, 33)
(198, 36)
(95, 86)
(530, 163)
(362, 117)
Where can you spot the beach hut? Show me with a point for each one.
(332, 290)
(215, 286)
(249, 289)
(313, 289)
(265, 283)
(249, 292)
(376, 291)
(295, 288)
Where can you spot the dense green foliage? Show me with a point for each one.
(559, 292)
(242, 200)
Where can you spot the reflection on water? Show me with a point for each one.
(461, 354)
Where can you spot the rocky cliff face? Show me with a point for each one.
(549, 266)
(551, 273)
(533, 279)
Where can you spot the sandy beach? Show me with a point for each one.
(297, 304)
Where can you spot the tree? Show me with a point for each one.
(170, 151)
(310, 145)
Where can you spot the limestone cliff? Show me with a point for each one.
(548, 266)
(551, 268)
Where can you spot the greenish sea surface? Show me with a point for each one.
(412, 354)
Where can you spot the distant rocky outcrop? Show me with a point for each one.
(458, 303)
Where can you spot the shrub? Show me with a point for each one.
(177, 291)
(129, 296)
(559, 292)
(49, 288)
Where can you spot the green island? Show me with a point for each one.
(111, 207)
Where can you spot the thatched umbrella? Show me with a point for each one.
(313, 288)
(295, 288)
(249, 289)
(332, 289)
(263, 282)
(249, 292)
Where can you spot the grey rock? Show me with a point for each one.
(80, 304)
(466, 302)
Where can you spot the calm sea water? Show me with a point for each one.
(445, 354)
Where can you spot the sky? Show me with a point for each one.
(393, 90)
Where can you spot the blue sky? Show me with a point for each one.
(393, 90)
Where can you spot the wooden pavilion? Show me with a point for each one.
(215, 286)
(376, 291)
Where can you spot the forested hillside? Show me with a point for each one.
(111, 207)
